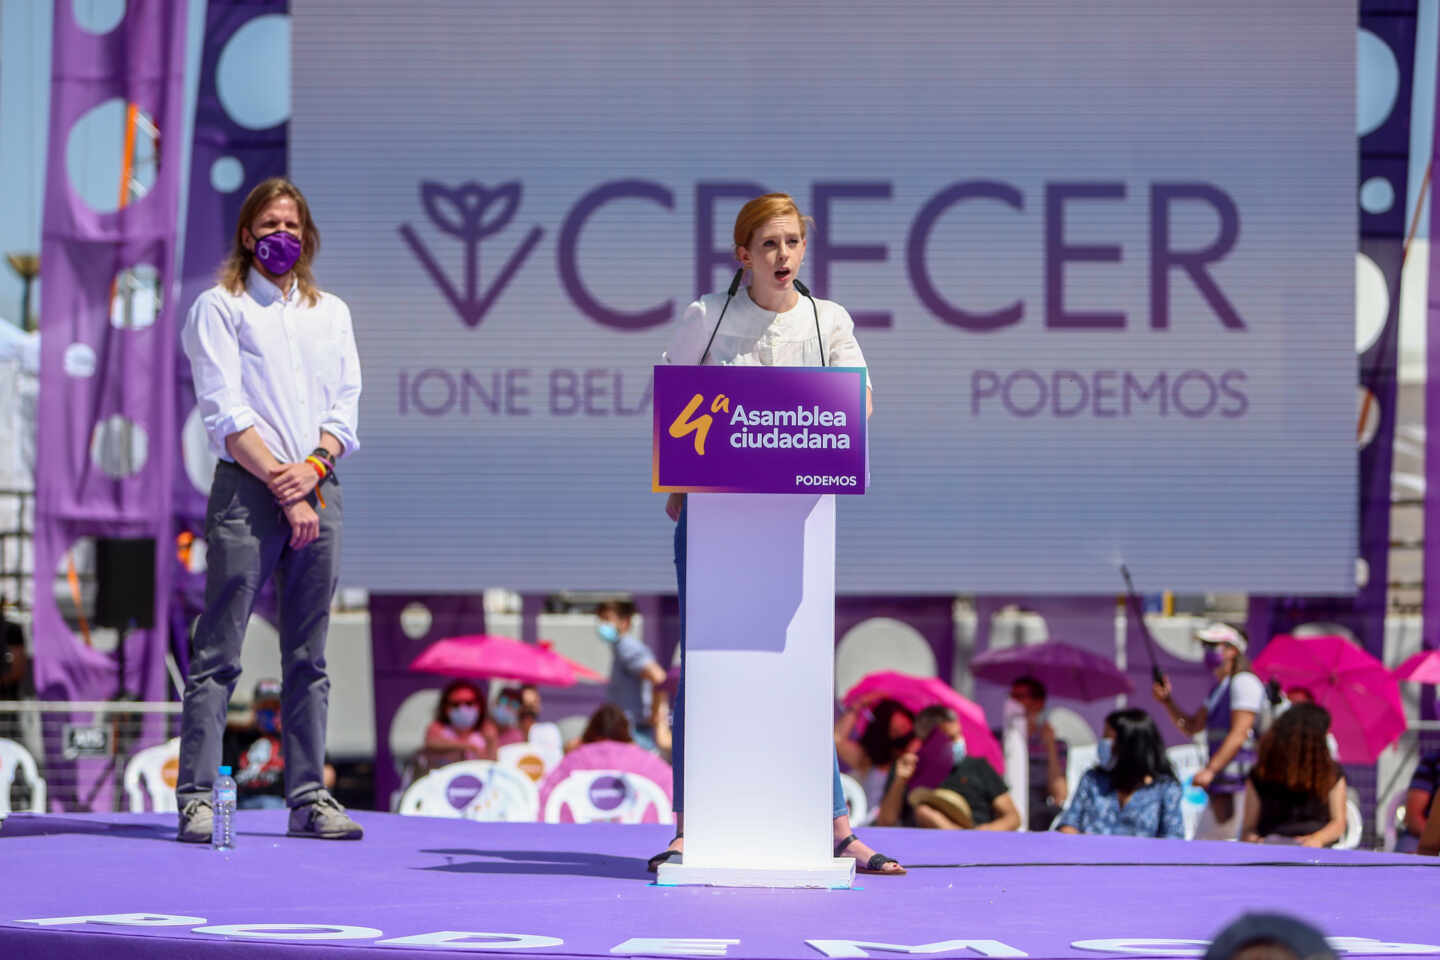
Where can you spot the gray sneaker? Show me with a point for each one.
(197, 822)
(323, 819)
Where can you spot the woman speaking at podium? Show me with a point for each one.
(773, 321)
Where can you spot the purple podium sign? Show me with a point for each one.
(744, 429)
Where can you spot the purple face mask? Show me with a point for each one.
(1214, 656)
(278, 252)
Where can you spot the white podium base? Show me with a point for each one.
(759, 693)
(837, 875)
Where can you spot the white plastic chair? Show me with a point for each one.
(856, 800)
(535, 760)
(547, 735)
(473, 790)
(15, 757)
(152, 772)
(1354, 825)
(581, 790)
(1187, 759)
(1391, 820)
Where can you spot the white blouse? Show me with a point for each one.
(750, 334)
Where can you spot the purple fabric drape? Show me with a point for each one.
(1429, 709)
(1384, 155)
(392, 650)
(141, 61)
(209, 225)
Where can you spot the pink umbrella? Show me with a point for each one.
(1424, 667)
(1363, 697)
(610, 755)
(1066, 671)
(917, 693)
(480, 656)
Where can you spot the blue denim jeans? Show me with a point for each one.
(677, 750)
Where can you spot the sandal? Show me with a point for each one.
(876, 863)
(664, 856)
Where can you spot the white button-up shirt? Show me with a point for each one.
(268, 360)
(750, 334)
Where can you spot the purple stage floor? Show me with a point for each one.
(582, 891)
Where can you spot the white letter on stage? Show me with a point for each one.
(124, 920)
(673, 946)
(469, 940)
(292, 931)
(856, 948)
(1163, 947)
(1367, 945)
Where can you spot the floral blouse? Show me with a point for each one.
(1151, 811)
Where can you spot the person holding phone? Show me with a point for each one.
(767, 322)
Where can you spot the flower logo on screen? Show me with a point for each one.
(470, 213)
(683, 425)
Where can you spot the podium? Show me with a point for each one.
(761, 453)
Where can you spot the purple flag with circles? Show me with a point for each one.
(743, 429)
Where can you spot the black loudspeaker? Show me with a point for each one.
(125, 576)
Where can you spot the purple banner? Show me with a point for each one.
(107, 436)
(740, 429)
(1430, 572)
(227, 160)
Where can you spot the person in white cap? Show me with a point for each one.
(1229, 719)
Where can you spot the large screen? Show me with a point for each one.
(1101, 259)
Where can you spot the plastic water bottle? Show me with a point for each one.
(222, 801)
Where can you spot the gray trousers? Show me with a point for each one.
(247, 540)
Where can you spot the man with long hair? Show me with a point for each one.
(277, 379)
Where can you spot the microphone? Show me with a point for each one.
(729, 295)
(805, 292)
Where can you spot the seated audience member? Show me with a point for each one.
(637, 682)
(1296, 793)
(15, 683)
(1291, 697)
(1269, 936)
(937, 747)
(1132, 791)
(457, 732)
(253, 751)
(608, 722)
(1048, 788)
(869, 758)
(971, 796)
(1418, 799)
(508, 716)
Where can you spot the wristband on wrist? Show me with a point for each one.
(325, 455)
(320, 467)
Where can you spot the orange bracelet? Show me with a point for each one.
(319, 465)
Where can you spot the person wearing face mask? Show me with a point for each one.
(458, 730)
(637, 683)
(1229, 719)
(934, 753)
(1132, 790)
(253, 749)
(766, 323)
(970, 796)
(1048, 753)
(277, 383)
